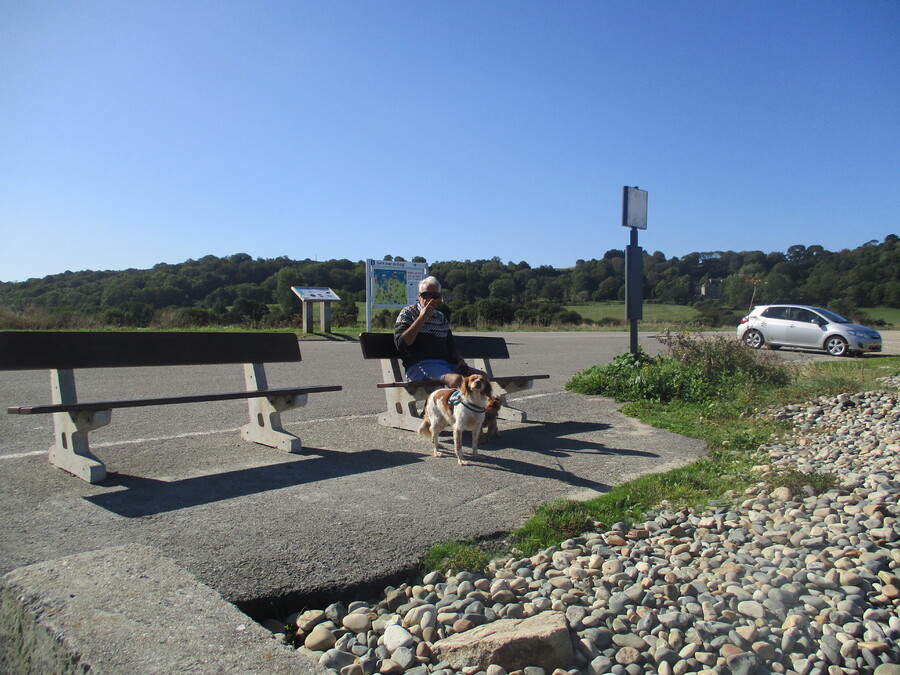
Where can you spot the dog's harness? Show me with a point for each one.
(457, 399)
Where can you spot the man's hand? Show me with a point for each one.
(430, 307)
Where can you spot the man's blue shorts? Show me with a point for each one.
(430, 369)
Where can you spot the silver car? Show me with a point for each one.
(778, 326)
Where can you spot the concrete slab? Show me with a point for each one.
(129, 609)
(356, 510)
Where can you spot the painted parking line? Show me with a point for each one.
(213, 432)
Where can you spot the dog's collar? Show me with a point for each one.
(456, 398)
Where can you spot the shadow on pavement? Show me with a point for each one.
(540, 471)
(552, 439)
(555, 439)
(135, 497)
(147, 496)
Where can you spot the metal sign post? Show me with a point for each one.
(634, 215)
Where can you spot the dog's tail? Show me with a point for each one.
(425, 427)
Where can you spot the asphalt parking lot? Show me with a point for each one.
(360, 505)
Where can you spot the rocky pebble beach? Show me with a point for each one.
(770, 581)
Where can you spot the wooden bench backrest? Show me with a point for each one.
(381, 346)
(32, 350)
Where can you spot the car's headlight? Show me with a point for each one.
(871, 334)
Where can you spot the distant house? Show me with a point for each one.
(711, 289)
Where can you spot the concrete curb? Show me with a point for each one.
(129, 609)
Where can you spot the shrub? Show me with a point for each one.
(566, 317)
(384, 319)
(709, 313)
(696, 369)
(137, 314)
(345, 312)
(610, 321)
(40, 318)
(246, 311)
(723, 355)
(183, 317)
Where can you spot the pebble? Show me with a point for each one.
(772, 580)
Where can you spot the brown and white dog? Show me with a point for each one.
(463, 409)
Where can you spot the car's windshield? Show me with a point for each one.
(831, 316)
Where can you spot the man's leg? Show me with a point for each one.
(433, 369)
(453, 380)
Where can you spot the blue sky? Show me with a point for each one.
(133, 133)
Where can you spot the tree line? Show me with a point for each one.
(241, 290)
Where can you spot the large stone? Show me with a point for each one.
(541, 640)
(357, 623)
(320, 639)
(396, 637)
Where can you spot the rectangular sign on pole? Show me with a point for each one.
(634, 215)
(391, 283)
(634, 208)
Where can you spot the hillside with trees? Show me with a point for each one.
(241, 290)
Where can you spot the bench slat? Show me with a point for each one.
(33, 350)
(502, 380)
(195, 398)
(381, 346)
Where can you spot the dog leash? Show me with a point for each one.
(457, 399)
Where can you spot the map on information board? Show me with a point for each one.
(390, 287)
(395, 283)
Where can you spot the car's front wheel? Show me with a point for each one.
(836, 346)
(753, 338)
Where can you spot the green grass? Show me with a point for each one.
(457, 556)
(653, 313)
(889, 315)
(733, 429)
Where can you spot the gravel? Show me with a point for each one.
(773, 581)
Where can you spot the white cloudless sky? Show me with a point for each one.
(133, 133)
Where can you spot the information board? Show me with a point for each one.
(315, 294)
(392, 283)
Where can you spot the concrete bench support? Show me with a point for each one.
(265, 413)
(70, 450)
(503, 387)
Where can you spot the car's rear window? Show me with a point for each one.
(775, 313)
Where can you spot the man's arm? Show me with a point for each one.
(412, 332)
(404, 320)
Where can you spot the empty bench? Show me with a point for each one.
(403, 397)
(64, 352)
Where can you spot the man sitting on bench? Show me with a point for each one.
(425, 342)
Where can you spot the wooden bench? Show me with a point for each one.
(403, 397)
(63, 352)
